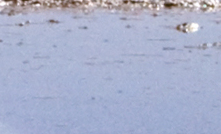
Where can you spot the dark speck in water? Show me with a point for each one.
(155, 14)
(207, 55)
(83, 27)
(77, 17)
(1, 40)
(128, 26)
(119, 61)
(189, 47)
(69, 30)
(19, 44)
(106, 40)
(27, 22)
(217, 21)
(159, 39)
(20, 24)
(53, 21)
(25, 62)
(123, 18)
(169, 48)
(119, 91)
(23, 24)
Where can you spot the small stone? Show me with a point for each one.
(20, 24)
(188, 27)
(170, 4)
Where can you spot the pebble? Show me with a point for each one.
(188, 27)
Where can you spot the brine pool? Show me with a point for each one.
(110, 72)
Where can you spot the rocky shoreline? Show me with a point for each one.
(149, 4)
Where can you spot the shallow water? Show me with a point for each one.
(67, 72)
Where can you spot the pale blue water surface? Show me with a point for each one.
(66, 72)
